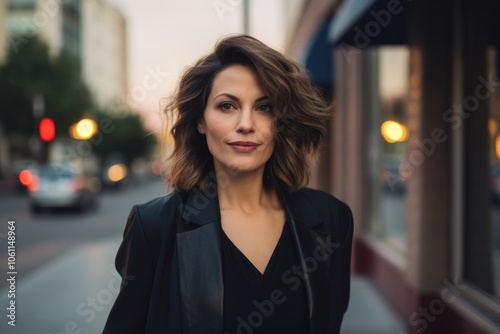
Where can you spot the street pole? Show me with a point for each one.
(38, 145)
(246, 17)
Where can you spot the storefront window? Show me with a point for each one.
(387, 143)
(481, 116)
(476, 121)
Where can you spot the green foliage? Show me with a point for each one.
(68, 97)
(29, 70)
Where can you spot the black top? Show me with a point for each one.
(263, 303)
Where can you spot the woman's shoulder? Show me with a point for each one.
(321, 206)
(321, 200)
(155, 220)
(160, 209)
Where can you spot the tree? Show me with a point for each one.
(68, 97)
(30, 70)
(23, 74)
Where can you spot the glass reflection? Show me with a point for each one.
(387, 144)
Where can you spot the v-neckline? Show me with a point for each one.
(267, 269)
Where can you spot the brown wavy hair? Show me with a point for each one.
(300, 115)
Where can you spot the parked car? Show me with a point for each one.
(59, 186)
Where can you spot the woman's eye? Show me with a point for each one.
(265, 108)
(225, 106)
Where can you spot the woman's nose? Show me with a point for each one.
(246, 121)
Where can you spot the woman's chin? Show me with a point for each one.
(242, 169)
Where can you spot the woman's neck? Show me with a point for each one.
(245, 192)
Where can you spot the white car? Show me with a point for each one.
(56, 186)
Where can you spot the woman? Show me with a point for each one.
(240, 245)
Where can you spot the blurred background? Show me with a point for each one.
(413, 145)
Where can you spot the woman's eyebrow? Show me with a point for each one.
(228, 95)
(262, 98)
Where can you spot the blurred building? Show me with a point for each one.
(57, 23)
(104, 50)
(414, 149)
(91, 30)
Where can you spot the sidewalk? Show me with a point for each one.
(73, 292)
(76, 291)
(368, 312)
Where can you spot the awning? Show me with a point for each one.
(316, 55)
(319, 57)
(364, 23)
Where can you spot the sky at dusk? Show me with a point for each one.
(165, 36)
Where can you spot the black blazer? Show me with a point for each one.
(171, 267)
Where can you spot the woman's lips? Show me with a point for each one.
(244, 147)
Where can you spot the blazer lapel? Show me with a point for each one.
(315, 258)
(200, 265)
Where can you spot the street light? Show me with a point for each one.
(117, 172)
(393, 132)
(84, 129)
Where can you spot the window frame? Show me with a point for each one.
(475, 304)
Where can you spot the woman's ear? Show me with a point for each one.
(201, 126)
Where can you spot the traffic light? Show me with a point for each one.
(47, 129)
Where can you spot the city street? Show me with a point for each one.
(41, 238)
(65, 262)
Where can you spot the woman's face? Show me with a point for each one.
(238, 121)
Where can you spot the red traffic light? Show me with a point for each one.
(47, 129)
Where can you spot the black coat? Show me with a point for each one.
(171, 264)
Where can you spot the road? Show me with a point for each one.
(65, 280)
(40, 238)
